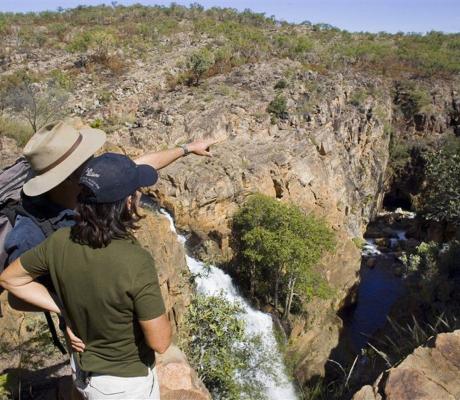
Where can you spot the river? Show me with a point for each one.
(380, 286)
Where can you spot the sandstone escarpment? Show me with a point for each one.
(328, 158)
(429, 373)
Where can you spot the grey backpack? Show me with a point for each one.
(12, 179)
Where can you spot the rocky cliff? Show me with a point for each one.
(328, 156)
(327, 150)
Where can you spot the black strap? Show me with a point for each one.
(54, 335)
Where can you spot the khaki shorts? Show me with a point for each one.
(97, 386)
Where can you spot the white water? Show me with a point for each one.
(370, 248)
(213, 281)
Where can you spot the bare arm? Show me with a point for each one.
(161, 159)
(19, 283)
(157, 333)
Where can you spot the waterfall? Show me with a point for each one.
(213, 281)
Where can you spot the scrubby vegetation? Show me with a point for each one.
(233, 37)
(104, 41)
(440, 199)
(279, 247)
(229, 362)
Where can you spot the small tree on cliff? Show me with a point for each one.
(440, 200)
(279, 246)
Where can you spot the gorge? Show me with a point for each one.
(334, 122)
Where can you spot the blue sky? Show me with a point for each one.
(353, 15)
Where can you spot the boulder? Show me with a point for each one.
(430, 373)
(178, 380)
(367, 393)
(370, 263)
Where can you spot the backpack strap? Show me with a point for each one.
(46, 225)
(53, 332)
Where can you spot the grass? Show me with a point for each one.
(15, 129)
(404, 338)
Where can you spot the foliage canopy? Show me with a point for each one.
(227, 360)
(279, 246)
(441, 196)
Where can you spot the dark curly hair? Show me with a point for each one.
(97, 224)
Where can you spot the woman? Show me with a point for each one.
(106, 282)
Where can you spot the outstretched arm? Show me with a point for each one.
(20, 283)
(161, 159)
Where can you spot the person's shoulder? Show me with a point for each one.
(133, 250)
(24, 232)
(61, 234)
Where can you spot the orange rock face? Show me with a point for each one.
(429, 373)
(178, 381)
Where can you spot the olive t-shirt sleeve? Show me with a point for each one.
(34, 260)
(148, 302)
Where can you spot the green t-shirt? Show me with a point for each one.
(104, 292)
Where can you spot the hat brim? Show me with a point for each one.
(92, 141)
(148, 175)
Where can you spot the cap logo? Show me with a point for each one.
(90, 173)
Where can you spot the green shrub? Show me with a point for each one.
(281, 84)
(278, 107)
(358, 97)
(198, 64)
(224, 356)
(411, 98)
(59, 30)
(80, 43)
(102, 43)
(62, 79)
(97, 124)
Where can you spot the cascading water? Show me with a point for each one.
(212, 281)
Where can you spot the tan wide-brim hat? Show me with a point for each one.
(56, 151)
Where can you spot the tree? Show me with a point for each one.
(279, 246)
(229, 362)
(36, 104)
(441, 196)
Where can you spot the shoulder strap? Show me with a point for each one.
(45, 225)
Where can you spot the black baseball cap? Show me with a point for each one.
(112, 177)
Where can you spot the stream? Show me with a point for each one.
(381, 284)
(211, 281)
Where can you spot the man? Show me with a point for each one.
(57, 154)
